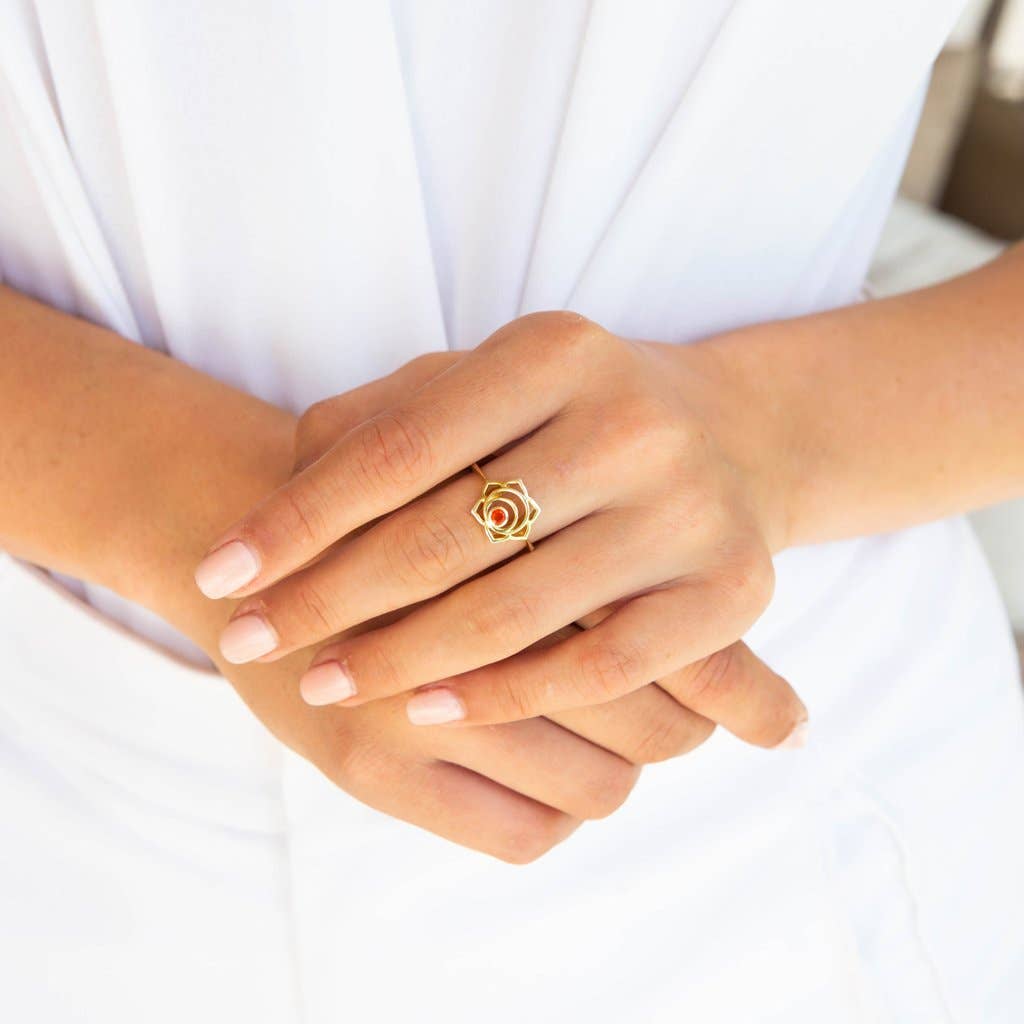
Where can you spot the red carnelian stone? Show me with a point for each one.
(499, 516)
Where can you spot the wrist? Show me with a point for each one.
(223, 467)
(726, 381)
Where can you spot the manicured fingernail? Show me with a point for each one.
(326, 683)
(435, 707)
(796, 739)
(223, 571)
(247, 637)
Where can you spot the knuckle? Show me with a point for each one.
(564, 320)
(648, 439)
(577, 336)
(569, 323)
(631, 431)
(529, 842)
(303, 511)
(508, 617)
(689, 456)
(713, 675)
(394, 450)
(651, 425)
(666, 737)
(749, 581)
(425, 549)
(609, 670)
(608, 790)
(317, 609)
(511, 701)
(562, 335)
(376, 666)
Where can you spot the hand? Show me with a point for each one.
(643, 727)
(144, 493)
(643, 511)
(511, 791)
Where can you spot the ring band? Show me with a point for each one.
(505, 510)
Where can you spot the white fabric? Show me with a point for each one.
(297, 198)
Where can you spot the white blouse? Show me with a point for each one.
(299, 198)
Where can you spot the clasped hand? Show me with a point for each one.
(653, 548)
(646, 525)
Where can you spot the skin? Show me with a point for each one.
(914, 414)
(668, 477)
(407, 559)
(103, 482)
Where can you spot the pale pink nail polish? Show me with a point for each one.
(326, 683)
(247, 637)
(223, 571)
(796, 739)
(435, 707)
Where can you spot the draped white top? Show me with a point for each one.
(298, 197)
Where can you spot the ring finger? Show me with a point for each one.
(493, 616)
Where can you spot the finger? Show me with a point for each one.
(460, 805)
(420, 551)
(736, 670)
(642, 727)
(543, 761)
(324, 422)
(378, 758)
(489, 618)
(651, 637)
(500, 391)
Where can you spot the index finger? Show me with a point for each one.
(325, 421)
(455, 419)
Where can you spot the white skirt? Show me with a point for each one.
(163, 859)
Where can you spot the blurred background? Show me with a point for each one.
(962, 200)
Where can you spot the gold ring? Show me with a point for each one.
(505, 510)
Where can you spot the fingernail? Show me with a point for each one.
(247, 637)
(223, 571)
(326, 683)
(796, 739)
(435, 707)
